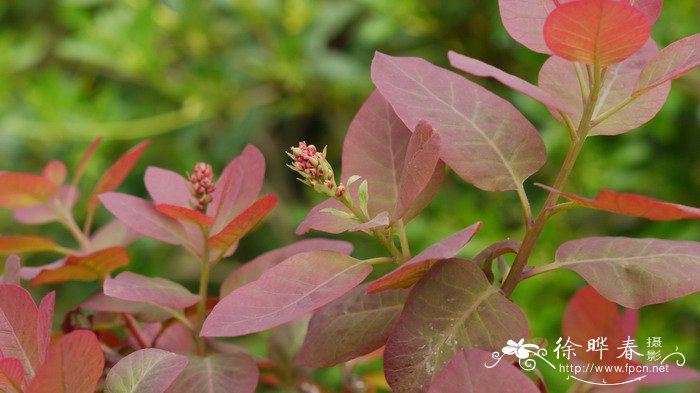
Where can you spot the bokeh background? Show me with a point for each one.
(203, 78)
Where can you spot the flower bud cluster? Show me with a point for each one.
(314, 169)
(202, 183)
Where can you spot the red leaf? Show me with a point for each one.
(22, 244)
(599, 32)
(185, 214)
(73, 365)
(672, 62)
(295, 287)
(410, 272)
(633, 205)
(23, 190)
(241, 225)
(95, 266)
(85, 158)
(115, 175)
(11, 375)
(466, 374)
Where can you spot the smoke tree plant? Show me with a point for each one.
(435, 319)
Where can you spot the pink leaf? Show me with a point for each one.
(143, 218)
(411, 271)
(321, 220)
(73, 365)
(634, 272)
(220, 373)
(633, 205)
(380, 220)
(422, 156)
(291, 289)
(24, 190)
(243, 223)
(11, 376)
(670, 63)
(167, 187)
(114, 233)
(466, 373)
(185, 214)
(22, 244)
(56, 172)
(18, 328)
(115, 175)
(428, 193)
(67, 196)
(146, 371)
(142, 311)
(599, 32)
(484, 138)
(478, 68)
(11, 270)
(452, 308)
(558, 78)
(353, 325)
(239, 185)
(138, 288)
(251, 271)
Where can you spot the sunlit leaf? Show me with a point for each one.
(598, 32)
(411, 271)
(484, 138)
(354, 325)
(633, 205)
(291, 289)
(242, 224)
(452, 308)
(220, 373)
(138, 288)
(185, 214)
(74, 365)
(95, 266)
(466, 373)
(23, 244)
(146, 371)
(23, 190)
(670, 63)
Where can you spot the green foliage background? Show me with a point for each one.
(202, 78)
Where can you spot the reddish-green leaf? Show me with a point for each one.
(410, 272)
(115, 175)
(633, 272)
(251, 271)
(138, 288)
(241, 225)
(484, 138)
(672, 62)
(19, 335)
(146, 371)
(85, 159)
(467, 373)
(291, 289)
(23, 190)
(74, 365)
(599, 32)
(220, 373)
(185, 214)
(22, 244)
(452, 308)
(95, 266)
(354, 325)
(633, 205)
(558, 78)
(56, 172)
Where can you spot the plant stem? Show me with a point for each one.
(533, 233)
(66, 219)
(135, 331)
(202, 305)
(386, 242)
(405, 247)
(527, 210)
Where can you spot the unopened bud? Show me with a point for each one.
(202, 185)
(313, 167)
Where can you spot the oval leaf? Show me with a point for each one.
(167, 187)
(146, 371)
(138, 288)
(633, 205)
(142, 311)
(241, 225)
(672, 62)
(467, 373)
(354, 325)
(185, 214)
(222, 373)
(598, 32)
(633, 272)
(19, 334)
(484, 138)
(293, 288)
(74, 365)
(23, 190)
(11, 375)
(410, 272)
(452, 308)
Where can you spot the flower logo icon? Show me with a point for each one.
(519, 349)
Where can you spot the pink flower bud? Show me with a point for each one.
(202, 183)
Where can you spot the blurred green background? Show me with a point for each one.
(204, 78)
